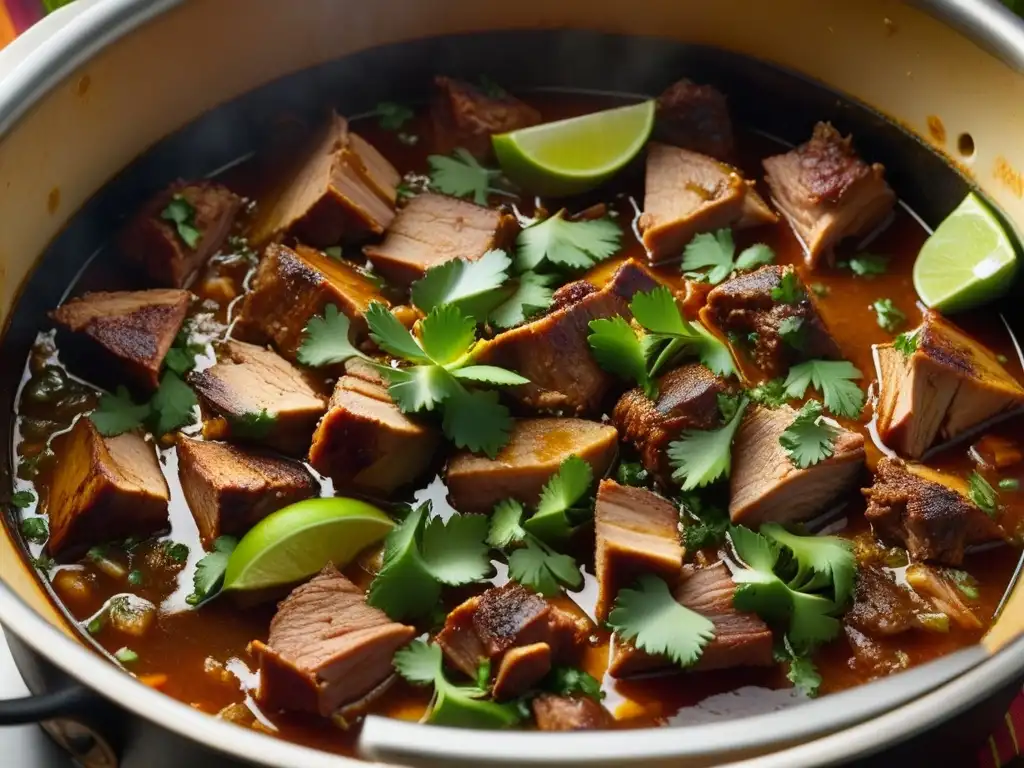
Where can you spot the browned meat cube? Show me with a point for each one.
(464, 116)
(696, 117)
(766, 487)
(687, 399)
(686, 193)
(927, 511)
(326, 647)
(741, 639)
(433, 229)
(744, 306)
(341, 187)
(488, 626)
(523, 467)
(881, 607)
(178, 230)
(521, 669)
(827, 192)
(553, 353)
(229, 490)
(103, 489)
(568, 713)
(365, 443)
(292, 286)
(263, 397)
(127, 333)
(636, 532)
(947, 387)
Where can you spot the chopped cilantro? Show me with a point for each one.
(35, 529)
(44, 563)
(182, 214)
(531, 293)
(475, 287)
(1009, 484)
(173, 405)
(702, 457)
(632, 473)
(889, 316)
(254, 425)
(22, 499)
(906, 342)
(650, 617)
(803, 672)
(570, 681)
(771, 393)
(175, 550)
(809, 439)
(462, 176)
(982, 494)
(867, 264)
(181, 357)
(704, 525)
(126, 655)
(566, 243)
(452, 705)
(793, 332)
(118, 413)
(966, 583)
(834, 379)
(392, 116)
(135, 578)
(210, 570)
(789, 290)
(715, 251)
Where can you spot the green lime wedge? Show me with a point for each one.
(571, 156)
(969, 260)
(296, 542)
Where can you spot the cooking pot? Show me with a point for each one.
(105, 86)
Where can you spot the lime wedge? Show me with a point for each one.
(969, 260)
(296, 542)
(571, 156)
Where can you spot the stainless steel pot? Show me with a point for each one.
(108, 86)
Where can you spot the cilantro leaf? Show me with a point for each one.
(906, 342)
(475, 287)
(793, 332)
(804, 675)
(392, 116)
(712, 251)
(823, 562)
(543, 570)
(618, 350)
(182, 214)
(982, 494)
(809, 439)
(393, 337)
(462, 176)
(210, 570)
(531, 294)
(326, 340)
(658, 312)
(889, 316)
(118, 413)
(181, 357)
(867, 264)
(254, 425)
(834, 379)
(770, 394)
(420, 388)
(632, 473)
(22, 499)
(35, 529)
(565, 488)
(704, 525)
(757, 255)
(173, 404)
(477, 421)
(489, 374)
(455, 552)
(446, 334)
(570, 681)
(572, 244)
(789, 290)
(655, 622)
(506, 524)
(419, 663)
(702, 457)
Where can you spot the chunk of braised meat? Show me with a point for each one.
(466, 115)
(570, 713)
(741, 639)
(262, 397)
(523, 467)
(553, 352)
(341, 187)
(765, 486)
(927, 511)
(169, 254)
(229, 489)
(433, 229)
(293, 286)
(123, 336)
(827, 192)
(636, 532)
(687, 193)
(507, 625)
(571, 293)
(881, 607)
(873, 658)
(696, 117)
(946, 387)
(687, 399)
(103, 489)
(365, 443)
(743, 307)
(326, 647)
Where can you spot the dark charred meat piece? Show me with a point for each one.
(523, 467)
(127, 333)
(766, 487)
(326, 647)
(365, 443)
(827, 192)
(263, 398)
(553, 353)
(927, 511)
(687, 399)
(881, 607)
(151, 241)
(293, 286)
(520, 669)
(686, 193)
(696, 117)
(636, 532)
(432, 229)
(103, 489)
(341, 188)
(229, 490)
(947, 386)
(466, 116)
(744, 306)
(571, 293)
(568, 713)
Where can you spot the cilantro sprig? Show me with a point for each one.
(834, 379)
(171, 407)
(906, 342)
(703, 457)
(392, 116)
(866, 264)
(809, 439)
(182, 214)
(789, 290)
(716, 252)
(567, 244)
(704, 524)
(209, 574)
(460, 175)
(889, 316)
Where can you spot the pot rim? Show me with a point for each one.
(987, 23)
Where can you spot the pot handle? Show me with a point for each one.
(46, 706)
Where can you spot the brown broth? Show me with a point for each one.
(187, 651)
